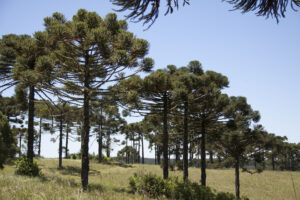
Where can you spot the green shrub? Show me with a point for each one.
(189, 191)
(225, 196)
(73, 156)
(106, 159)
(27, 168)
(155, 187)
(179, 165)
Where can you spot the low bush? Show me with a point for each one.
(154, 186)
(27, 168)
(179, 165)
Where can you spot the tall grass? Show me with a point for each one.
(111, 182)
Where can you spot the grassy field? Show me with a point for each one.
(111, 182)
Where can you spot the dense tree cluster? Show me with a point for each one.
(77, 76)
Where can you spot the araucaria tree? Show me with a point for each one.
(238, 137)
(92, 52)
(24, 62)
(151, 95)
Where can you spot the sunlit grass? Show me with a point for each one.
(111, 182)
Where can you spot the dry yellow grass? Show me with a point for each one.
(111, 182)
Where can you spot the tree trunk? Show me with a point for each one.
(20, 141)
(85, 135)
(40, 137)
(165, 136)
(177, 155)
(211, 158)
(237, 177)
(100, 141)
(219, 159)
(273, 163)
(158, 154)
(143, 156)
(191, 154)
(155, 154)
(30, 135)
(139, 155)
(108, 145)
(67, 142)
(60, 141)
(203, 155)
(185, 143)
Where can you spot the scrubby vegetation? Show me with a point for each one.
(112, 182)
(154, 186)
(27, 168)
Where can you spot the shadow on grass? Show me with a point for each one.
(120, 190)
(76, 171)
(95, 187)
(70, 170)
(117, 164)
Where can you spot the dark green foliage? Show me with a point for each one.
(27, 168)
(155, 187)
(225, 195)
(7, 141)
(179, 165)
(147, 11)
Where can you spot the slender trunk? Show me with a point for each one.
(158, 154)
(203, 155)
(139, 156)
(127, 155)
(285, 162)
(60, 141)
(237, 177)
(100, 147)
(40, 137)
(219, 159)
(177, 155)
(85, 134)
(185, 143)
(165, 137)
(133, 146)
(211, 159)
(108, 145)
(67, 142)
(30, 135)
(100, 141)
(155, 154)
(273, 163)
(191, 153)
(143, 156)
(20, 141)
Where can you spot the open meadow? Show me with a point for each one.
(111, 182)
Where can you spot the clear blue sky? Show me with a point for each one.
(260, 57)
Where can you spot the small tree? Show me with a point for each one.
(238, 138)
(8, 141)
